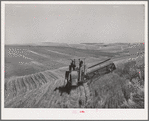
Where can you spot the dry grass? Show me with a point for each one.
(115, 90)
(36, 90)
(106, 92)
(22, 85)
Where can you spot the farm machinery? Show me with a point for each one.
(82, 73)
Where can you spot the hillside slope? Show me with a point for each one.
(43, 90)
(47, 90)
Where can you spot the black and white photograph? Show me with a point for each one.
(74, 55)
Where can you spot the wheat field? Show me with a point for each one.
(39, 81)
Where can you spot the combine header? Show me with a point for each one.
(82, 73)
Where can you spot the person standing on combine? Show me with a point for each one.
(74, 65)
(80, 69)
(71, 66)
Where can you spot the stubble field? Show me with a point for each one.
(34, 78)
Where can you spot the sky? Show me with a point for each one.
(73, 24)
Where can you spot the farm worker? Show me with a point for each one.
(71, 66)
(81, 63)
(80, 70)
(74, 65)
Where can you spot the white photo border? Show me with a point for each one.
(58, 113)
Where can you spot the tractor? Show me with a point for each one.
(80, 74)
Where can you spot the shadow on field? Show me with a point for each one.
(67, 88)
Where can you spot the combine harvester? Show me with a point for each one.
(82, 73)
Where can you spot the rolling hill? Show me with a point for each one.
(34, 78)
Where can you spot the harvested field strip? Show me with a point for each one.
(37, 82)
(56, 97)
(42, 77)
(51, 75)
(41, 80)
(45, 96)
(50, 89)
(108, 92)
(46, 58)
(39, 95)
(48, 96)
(59, 73)
(24, 85)
(21, 85)
(78, 98)
(82, 97)
(87, 92)
(20, 89)
(28, 82)
(60, 53)
(35, 97)
(23, 100)
(74, 98)
(38, 79)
